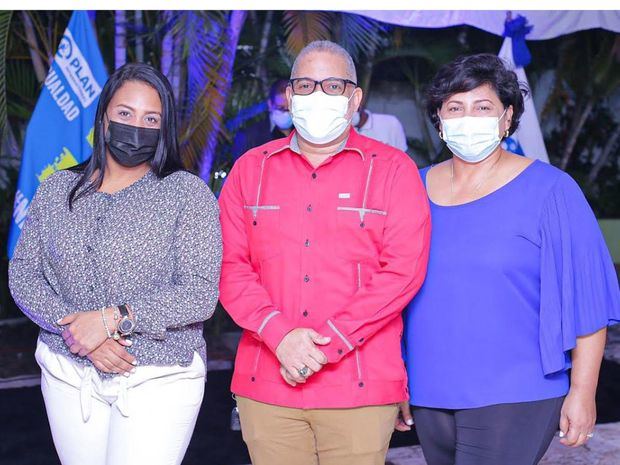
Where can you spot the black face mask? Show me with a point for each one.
(130, 145)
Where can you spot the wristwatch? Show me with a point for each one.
(126, 325)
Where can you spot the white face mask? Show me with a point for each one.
(320, 118)
(281, 119)
(472, 138)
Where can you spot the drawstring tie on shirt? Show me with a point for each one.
(86, 392)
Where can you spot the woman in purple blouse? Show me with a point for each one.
(520, 287)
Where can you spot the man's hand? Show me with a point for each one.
(404, 421)
(298, 350)
(85, 332)
(287, 377)
(112, 357)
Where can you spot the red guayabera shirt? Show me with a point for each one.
(341, 248)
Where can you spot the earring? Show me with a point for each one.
(507, 133)
(441, 135)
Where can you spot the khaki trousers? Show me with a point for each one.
(290, 436)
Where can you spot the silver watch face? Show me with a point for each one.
(126, 325)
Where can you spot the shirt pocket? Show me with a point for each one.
(264, 234)
(359, 232)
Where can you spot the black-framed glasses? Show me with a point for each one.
(331, 85)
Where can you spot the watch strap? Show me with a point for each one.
(123, 310)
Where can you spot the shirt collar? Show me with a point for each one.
(351, 143)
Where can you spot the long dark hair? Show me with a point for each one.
(167, 158)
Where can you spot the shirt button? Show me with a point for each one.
(306, 278)
(91, 288)
(307, 243)
(361, 384)
(309, 208)
(339, 351)
(305, 313)
(313, 175)
(89, 248)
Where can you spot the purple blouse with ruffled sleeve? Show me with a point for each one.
(513, 279)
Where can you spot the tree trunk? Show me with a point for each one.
(236, 20)
(39, 67)
(609, 147)
(175, 71)
(261, 71)
(171, 56)
(166, 47)
(576, 128)
(120, 38)
(139, 26)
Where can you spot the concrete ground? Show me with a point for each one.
(602, 449)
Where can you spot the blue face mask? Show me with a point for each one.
(281, 119)
(472, 138)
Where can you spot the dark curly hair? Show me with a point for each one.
(469, 72)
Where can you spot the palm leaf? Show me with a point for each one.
(9, 150)
(585, 69)
(606, 67)
(434, 54)
(21, 85)
(244, 93)
(361, 36)
(5, 22)
(205, 95)
(303, 27)
(9, 157)
(200, 36)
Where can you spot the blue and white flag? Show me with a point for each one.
(60, 131)
(527, 139)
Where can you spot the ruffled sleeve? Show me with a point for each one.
(579, 292)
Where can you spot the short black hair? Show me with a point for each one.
(469, 72)
(277, 88)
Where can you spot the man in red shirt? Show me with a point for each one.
(326, 238)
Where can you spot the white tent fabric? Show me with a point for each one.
(528, 136)
(547, 24)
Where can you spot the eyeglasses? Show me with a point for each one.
(331, 86)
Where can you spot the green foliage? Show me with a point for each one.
(303, 27)
(586, 63)
(5, 22)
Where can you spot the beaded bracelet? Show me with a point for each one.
(105, 323)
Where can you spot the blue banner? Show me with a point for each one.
(528, 138)
(60, 131)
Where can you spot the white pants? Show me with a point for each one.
(144, 419)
